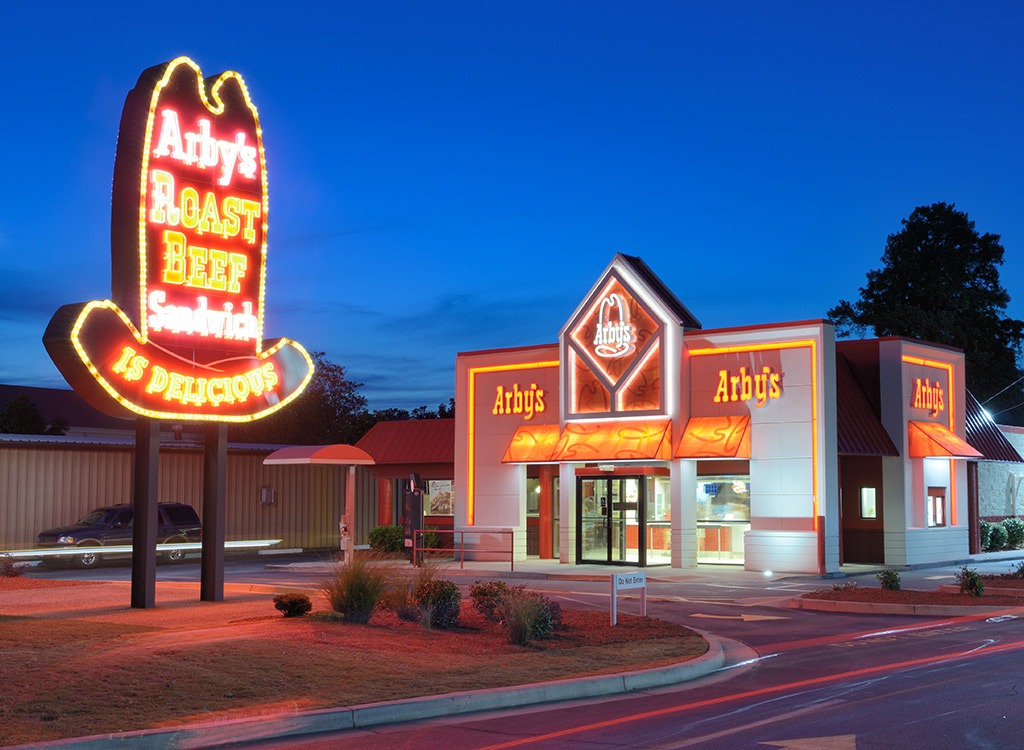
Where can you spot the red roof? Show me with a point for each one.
(858, 431)
(411, 441)
(985, 436)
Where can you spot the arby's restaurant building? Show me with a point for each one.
(642, 439)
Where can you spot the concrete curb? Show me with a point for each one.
(217, 734)
(881, 608)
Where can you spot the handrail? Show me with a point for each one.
(417, 549)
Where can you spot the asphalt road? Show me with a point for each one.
(794, 678)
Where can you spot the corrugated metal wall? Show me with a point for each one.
(48, 485)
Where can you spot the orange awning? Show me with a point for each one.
(615, 441)
(532, 444)
(932, 439)
(340, 453)
(715, 437)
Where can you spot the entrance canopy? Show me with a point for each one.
(339, 454)
(932, 439)
(715, 437)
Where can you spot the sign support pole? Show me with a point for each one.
(215, 472)
(144, 525)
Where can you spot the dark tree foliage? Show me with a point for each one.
(940, 282)
(22, 417)
(444, 411)
(329, 411)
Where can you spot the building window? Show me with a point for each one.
(868, 508)
(935, 508)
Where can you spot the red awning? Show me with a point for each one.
(932, 439)
(715, 437)
(532, 444)
(632, 440)
(339, 454)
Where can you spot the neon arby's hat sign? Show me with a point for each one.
(182, 335)
(614, 336)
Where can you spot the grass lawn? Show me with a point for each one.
(74, 677)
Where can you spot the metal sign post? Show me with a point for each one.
(620, 581)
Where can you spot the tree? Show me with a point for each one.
(940, 282)
(21, 417)
(330, 410)
(444, 411)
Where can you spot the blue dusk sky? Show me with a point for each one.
(450, 176)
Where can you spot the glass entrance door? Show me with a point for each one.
(611, 520)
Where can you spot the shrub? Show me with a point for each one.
(387, 539)
(401, 594)
(526, 615)
(845, 586)
(1014, 532)
(357, 587)
(11, 569)
(890, 579)
(487, 595)
(1017, 572)
(293, 605)
(439, 601)
(518, 615)
(970, 582)
(985, 533)
(996, 538)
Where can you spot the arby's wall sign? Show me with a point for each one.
(182, 335)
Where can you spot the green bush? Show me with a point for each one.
(1014, 532)
(890, 579)
(996, 538)
(439, 601)
(293, 605)
(518, 615)
(401, 594)
(357, 587)
(985, 534)
(487, 595)
(970, 582)
(526, 615)
(387, 539)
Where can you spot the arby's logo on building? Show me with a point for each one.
(928, 395)
(614, 335)
(182, 335)
(746, 385)
(527, 402)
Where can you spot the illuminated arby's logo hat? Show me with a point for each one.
(182, 336)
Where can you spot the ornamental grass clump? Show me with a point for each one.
(357, 587)
(526, 615)
(401, 594)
